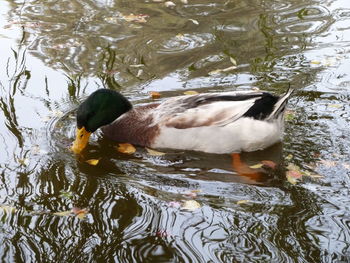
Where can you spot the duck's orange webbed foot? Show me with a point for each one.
(243, 169)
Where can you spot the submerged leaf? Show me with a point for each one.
(191, 92)
(63, 213)
(66, 194)
(154, 153)
(240, 202)
(141, 18)
(191, 205)
(292, 180)
(328, 163)
(289, 157)
(194, 21)
(8, 209)
(218, 71)
(24, 161)
(126, 148)
(92, 161)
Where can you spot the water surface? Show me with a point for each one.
(55, 53)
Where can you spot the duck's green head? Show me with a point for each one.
(101, 108)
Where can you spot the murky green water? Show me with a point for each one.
(55, 53)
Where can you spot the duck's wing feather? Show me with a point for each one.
(210, 109)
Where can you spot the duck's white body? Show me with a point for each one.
(245, 134)
(211, 122)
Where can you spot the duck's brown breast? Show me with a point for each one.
(135, 127)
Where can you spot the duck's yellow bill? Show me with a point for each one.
(81, 140)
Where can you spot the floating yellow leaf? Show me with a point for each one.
(337, 106)
(154, 94)
(194, 21)
(256, 166)
(218, 71)
(92, 161)
(316, 62)
(233, 61)
(240, 202)
(154, 153)
(126, 148)
(64, 213)
(191, 205)
(191, 92)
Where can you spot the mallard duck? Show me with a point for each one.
(224, 122)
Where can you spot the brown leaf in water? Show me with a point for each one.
(80, 212)
(126, 148)
(154, 94)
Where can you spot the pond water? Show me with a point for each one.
(131, 208)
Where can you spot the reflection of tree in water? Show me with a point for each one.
(94, 38)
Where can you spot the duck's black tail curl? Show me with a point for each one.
(281, 104)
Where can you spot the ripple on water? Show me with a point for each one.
(181, 43)
(303, 20)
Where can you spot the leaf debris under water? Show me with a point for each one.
(126, 148)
